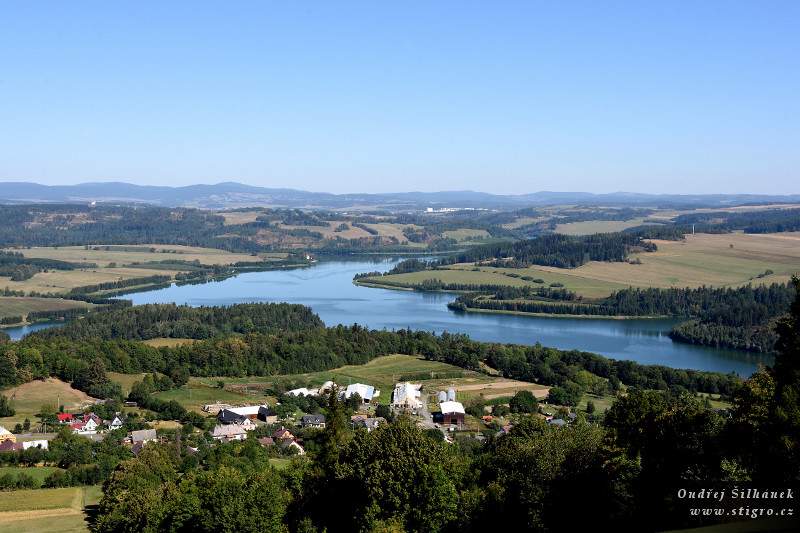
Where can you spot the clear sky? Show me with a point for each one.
(504, 97)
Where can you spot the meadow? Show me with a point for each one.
(22, 305)
(589, 227)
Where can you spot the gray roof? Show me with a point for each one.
(557, 422)
(143, 435)
(313, 419)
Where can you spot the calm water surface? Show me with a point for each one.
(328, 289)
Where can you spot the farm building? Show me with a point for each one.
(38, 443)
(302, 391)
(366, 392)
(266, 414)
(452, 413)
(406, 396)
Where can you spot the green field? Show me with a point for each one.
(465, 273)
(21, 306)
(199, 392)
(712, 260)
(39, 473)
(47, 510)
(590, 227)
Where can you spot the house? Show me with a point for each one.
(143, 436)
(557, 422)
(266, 441)
(313, 421)
(228, 432)
(117, 422)
(281, 434)
(407, 396)
(227, 416)
(266, 414)
(6, 435)
(367, 422)
(64, 418)
(293, 446)
(366, 392)
(38, 443)
(230, 416)
(86, 424)
(452, 413)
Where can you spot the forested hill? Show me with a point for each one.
(556, 250)
(173, 321)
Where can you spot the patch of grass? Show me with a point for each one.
(170, 343)
(125, 381)
(463, 234)
(280, 462)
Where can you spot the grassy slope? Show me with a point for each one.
(27, 399)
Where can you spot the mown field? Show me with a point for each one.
(116, 262)
(60, 510)
(127, 254)
(28, 398)
(703, 259)
(22, 305)
(589, 227)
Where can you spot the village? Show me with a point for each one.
(281, 425)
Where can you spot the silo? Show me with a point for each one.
(442, 396)
(451, 395)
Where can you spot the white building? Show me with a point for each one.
(366, 392)
(407, 396)
(39, 443)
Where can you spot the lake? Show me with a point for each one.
(328, 289)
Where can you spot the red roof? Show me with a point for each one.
(63, 417)
(76, 425)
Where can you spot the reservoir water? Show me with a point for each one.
(328, 289)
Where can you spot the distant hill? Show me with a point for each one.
(232, 194)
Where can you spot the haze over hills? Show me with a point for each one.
(232, 194)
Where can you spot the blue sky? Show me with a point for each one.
(504, 97)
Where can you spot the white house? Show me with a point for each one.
(117, 423)
(366, 392)
(407, 396)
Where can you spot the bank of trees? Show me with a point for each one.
(741, 317)
(169, 320)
